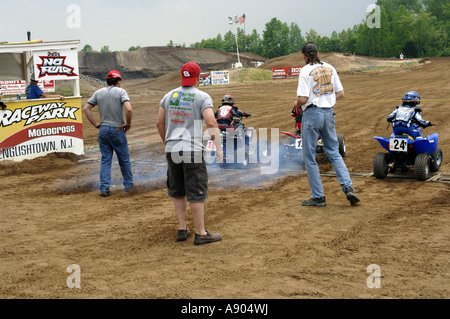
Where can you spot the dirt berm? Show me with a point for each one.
(153, 62)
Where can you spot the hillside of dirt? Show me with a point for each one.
(272, 247)
(153, 62)
(342, 62)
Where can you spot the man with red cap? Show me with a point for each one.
(181, 116)
(112, 101)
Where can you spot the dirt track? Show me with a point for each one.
(52, 215)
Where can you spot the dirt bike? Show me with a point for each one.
(404, 153)
(293, 149)
(237, 144)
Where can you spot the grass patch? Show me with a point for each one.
(252, 74)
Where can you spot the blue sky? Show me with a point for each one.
(121, 24)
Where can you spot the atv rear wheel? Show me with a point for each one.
(342, 147)
(244, 164)
(422, 167)
(380, 165)
(436, 160)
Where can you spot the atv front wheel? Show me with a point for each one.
(436, 160)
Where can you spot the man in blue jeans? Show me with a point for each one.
(111, 102)
(319, 87)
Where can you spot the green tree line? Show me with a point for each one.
(416, 28)
(105, 49)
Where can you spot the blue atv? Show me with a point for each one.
(404, 152)
(238, 145)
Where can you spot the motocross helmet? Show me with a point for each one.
(411, 98)
(228, 99)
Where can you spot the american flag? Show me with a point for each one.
(241, 19)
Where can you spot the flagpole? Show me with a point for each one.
(236, 37)
(245, 38)
(237, 49)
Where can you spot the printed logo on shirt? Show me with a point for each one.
(180, 107)
(322, 76)
(175, 99)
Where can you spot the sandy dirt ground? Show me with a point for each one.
(272, 247)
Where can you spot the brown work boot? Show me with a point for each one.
(206, 239)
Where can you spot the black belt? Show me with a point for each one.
(311, 105)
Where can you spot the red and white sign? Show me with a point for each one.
(286, 72)
(19, 87)
(55, 65)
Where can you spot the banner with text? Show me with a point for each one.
(286, 72)
(205, 78)
(220, 77)
(19, 87)
(30, 129)
(56, 65)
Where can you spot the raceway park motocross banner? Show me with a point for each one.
(34, 128)
(286, 72)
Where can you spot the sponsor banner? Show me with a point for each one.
(19, 87)
(205, 78)
(55, 65)
(220, 77)
(286, 72)
(30, 129)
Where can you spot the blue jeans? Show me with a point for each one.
(110, 141)
(320, 122)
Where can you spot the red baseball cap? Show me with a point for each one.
(115, 75)
(189, 73)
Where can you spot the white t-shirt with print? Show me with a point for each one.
(319, 82)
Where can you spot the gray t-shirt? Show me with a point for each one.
(184, 121)
(110, 105)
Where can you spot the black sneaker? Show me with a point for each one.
(315, 202)
(206, 239)
(128, 189)
(183, 234)
(351, 196)
(105, 193)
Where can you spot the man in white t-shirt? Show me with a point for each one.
(319, 87)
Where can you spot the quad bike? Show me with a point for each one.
(292, 149)
(404, 152)
(237, 144)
